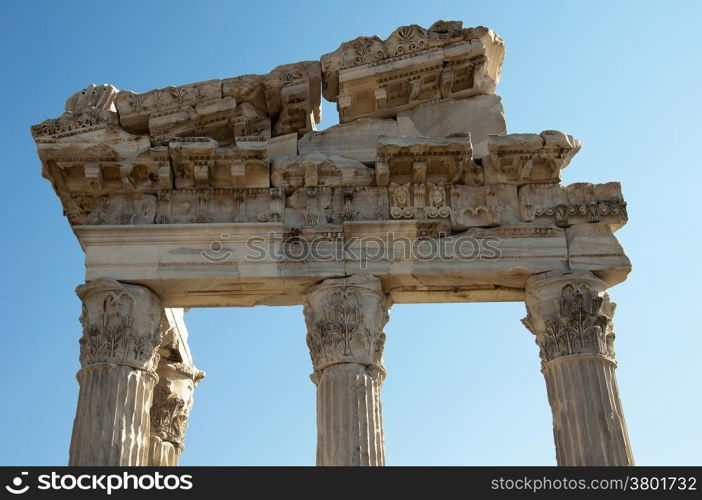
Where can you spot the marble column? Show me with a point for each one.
(345, 319)
(118, 357)
(172, 402)
(571, 316)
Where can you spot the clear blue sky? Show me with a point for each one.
(464, 385)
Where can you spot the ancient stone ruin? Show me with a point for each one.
(223, 193)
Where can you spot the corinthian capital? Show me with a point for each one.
(570, 313)
(345, 319)
(173, 399)
(121, 324)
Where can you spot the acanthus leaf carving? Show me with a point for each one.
(345, 319)
(581, 324)
(169, 416)
(121, 325)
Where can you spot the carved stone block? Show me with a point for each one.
(89, 117)
(483, 206)
(529, 158)
(226, 109)
(291, 93)
(574, 204)
(200, 163)
(421, 159)
(291, 173)
(123, 209)
(370, 77)
(175, 111)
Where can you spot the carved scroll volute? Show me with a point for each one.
(121, 324)
(345, 319)
(570, 314)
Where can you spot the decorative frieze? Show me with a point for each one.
(574, 204)
(120, 209)
(482, 206)
(316, 191)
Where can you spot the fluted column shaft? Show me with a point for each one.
(118, 355)
(571, 317)
(345, 319)
(349, 416)
(588, 421)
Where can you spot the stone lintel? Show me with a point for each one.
(191, 265)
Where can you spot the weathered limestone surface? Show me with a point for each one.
(173, 395)
(223, 193)
(480, 117)
(118, 357)
(593, 247)
(345, 319)
(571, 316)
(356, 140)
(283, 145)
